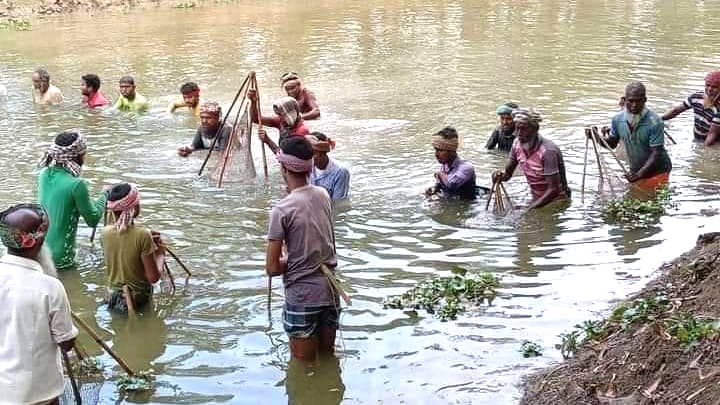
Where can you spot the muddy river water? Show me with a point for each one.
(387, 74)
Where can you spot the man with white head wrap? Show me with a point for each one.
(540, 159)
(210, 113)
(306, 100)
(65, 196)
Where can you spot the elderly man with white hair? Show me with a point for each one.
(539, 158)
(35, 317)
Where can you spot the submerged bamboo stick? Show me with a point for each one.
(102, 344)
(260, 124)
(582, 187)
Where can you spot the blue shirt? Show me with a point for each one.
(335, 179)
(461, 179)
(648, 133)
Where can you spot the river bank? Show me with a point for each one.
(24, 10)
(660, 346)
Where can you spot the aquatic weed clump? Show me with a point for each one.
(16, 24)
(141, 381)
(636, 213)
(445, 296)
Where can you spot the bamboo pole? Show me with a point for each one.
(222, 125)
(170, 276)
(492, 190)
(71, 375)
(612, 152)
(233, 134)
(259, 120)
(512, 206)
(582, 188)
(597, 159)
(102, 344)
(669, 137)
(177, 259)
(336, 284)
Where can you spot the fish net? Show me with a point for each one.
(235, 163)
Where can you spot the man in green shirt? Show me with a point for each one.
(130, 100)
(131, 255)
(65, 196)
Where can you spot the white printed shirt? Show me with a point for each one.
(35, 317)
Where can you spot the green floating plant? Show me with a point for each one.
(637, 213)
(445, 297)
(530, 349)
(141, 381)
(88, 367)
(16, 25)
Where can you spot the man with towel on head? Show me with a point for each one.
(35, 317)
(65, 196)
(130, 252)
(328, 173)
(706, 108)
(303, 221)
(456, 177)
(540, 159)
(287, 120)
(504, 134)
(305, 98)
(210, 113)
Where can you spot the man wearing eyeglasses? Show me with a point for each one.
(36, 319)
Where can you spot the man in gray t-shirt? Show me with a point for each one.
(303, 222)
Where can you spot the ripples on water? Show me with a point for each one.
(387, 75)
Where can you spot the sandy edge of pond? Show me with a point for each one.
(644, 364)
(31, 9)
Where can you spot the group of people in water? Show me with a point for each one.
(301, 231)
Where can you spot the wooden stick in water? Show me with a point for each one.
(612, 152)
(222, 124)
(492, 190)
(669, 137)
(71, 375)
(512, 206)
(177, 259)
(336, 284)
(170, 276)
(260, 125)
(582, 188)
(102, 344)
(269, 299)
(597, 159)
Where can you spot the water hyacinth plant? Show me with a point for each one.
(636, 213)
(446, 296)
(141, 381)
(530, 349)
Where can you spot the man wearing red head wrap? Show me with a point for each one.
(130, 251)
(704, 104)
(328, 173)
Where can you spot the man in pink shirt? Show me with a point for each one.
(90, 89)
(539, 158)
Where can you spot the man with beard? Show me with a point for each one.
(642, 133)
(303, 221)
(190, 99)
(539, 158)
(504, 134)
(305, 98)
(65, 196)
(210, 113)
(90, 89)
(35, 316)
(129, 99)
(705, 106)
(129, 252)
(45, 93)
(456, 177)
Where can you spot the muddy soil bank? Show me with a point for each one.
(660, 346)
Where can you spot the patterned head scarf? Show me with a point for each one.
(127, 206)
(294, 163)
(211, 107)
(321, 146)
(713, 78)
(65, 156)
(17, 239)
(289, 76)
(528, 116)
(287, 108)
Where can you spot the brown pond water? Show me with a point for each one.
(387, 74)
